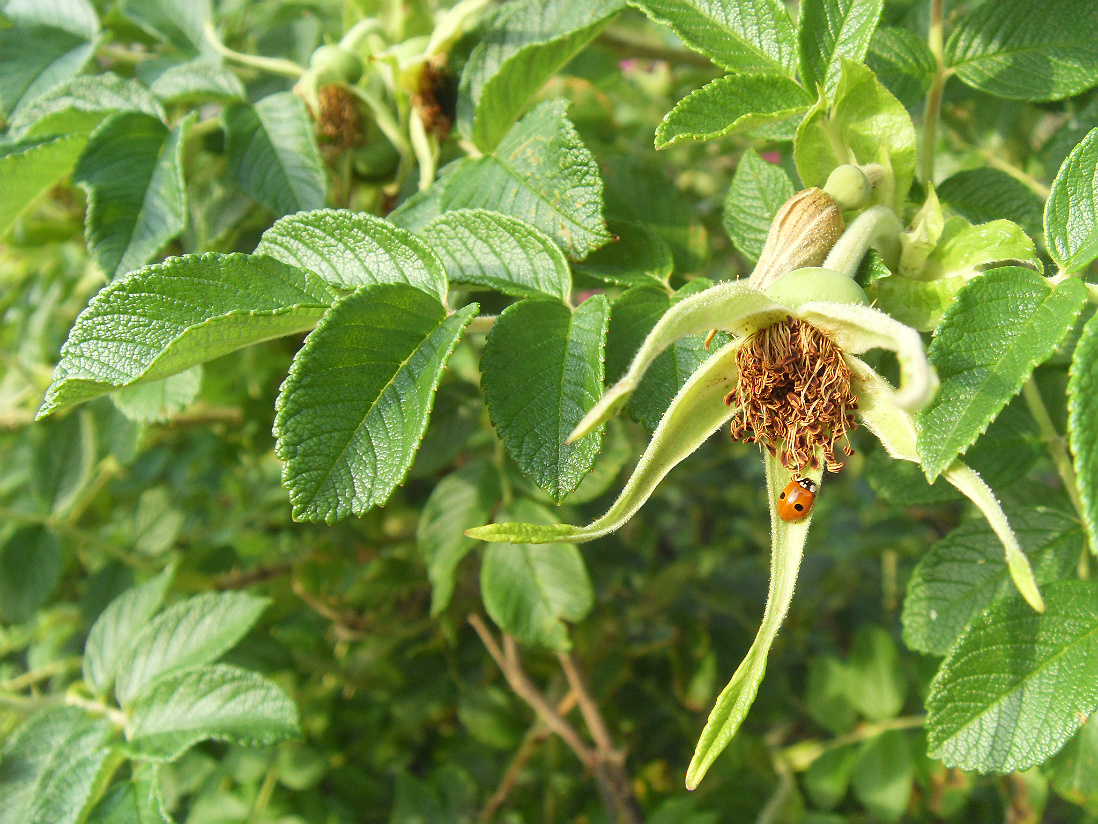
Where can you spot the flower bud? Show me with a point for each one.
(801, 234)
(815, 283)
(334, 64)
(850, 188)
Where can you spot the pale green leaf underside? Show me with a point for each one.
(693, 416)
(28, 168)
(829, 30)
(168, 317)
(191, 81)
(1017, 684)
(738, 35)
(500, 252)
(529, 590)
(353, 249)
(179, 22)
(735, 102)
(116, 627)
(1027, 51)
(1071, 213)
(997, 330)
(528, 42)
(758, 190)
(188, 634)
(1083, 424)
(273, 153)
(79, 104)
(542, 371)
(964, 573)
(356, 402)
(219, 703)
(137, 198)
(49, 766)
(542, 173)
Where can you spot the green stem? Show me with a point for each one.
(271, 65)
(877, 226)
(1056, 447)
(934, 93)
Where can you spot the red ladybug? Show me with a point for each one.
(796, 500)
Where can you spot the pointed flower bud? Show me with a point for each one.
(801, 234)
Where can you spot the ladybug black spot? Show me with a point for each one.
(782, 496)
(798, 507)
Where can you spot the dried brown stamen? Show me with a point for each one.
(793, 395)
(339, 121)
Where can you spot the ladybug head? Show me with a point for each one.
(807, 484)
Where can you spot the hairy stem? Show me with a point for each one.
(878, 227)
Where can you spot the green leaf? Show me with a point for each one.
(919, 304)
(65, 456)
(962, 250)
(637, 256)
(884, 775)
(902, 62)
(158, 401)
(876, 686)
(1027, 51)
(30, 167)
(526, 44)
(542, 371)
(866, 119)
(1082, 424)
(499, 252)
(30, 568)
(999, 327)
(963, 574)
(829, 30)
(787, 542)
(137, 198)
(178, 22)
(166, 318)
(193, 81)
(529, 590)
(1074, 770)
(356, 402)
(117, 626)
(191, 633)
(983, 195)
(542, 173)
(137, 801)
(461, 500)
(273, 154)
(758, 190)
(219, 703)
(871, 269)
(738, 35)
(826, 782)
(50, 765)
(1071, 213)
(733, 103)
(81, 104)
(353, 249)
(697, 411)
(49, 42)
(827, 695)
(1017, 684)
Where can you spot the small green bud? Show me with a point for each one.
(334, 64)
(850, 188)
(815, 283)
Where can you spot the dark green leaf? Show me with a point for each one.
(528, 42)
(758, 190)
(1074, 770)
(219, 703)
(1083, 424)
(543, 371)
(64, 460)
(828, 779)
(462, 500)
(1000, 326)
(884, 775)
(738, 35)
(137, 199)
(352, 249)
(735, 102)
(542, 173)
(179, 22)
(30, 167)
(160, 400)
(965, 573)
(356, 402)
(137, 801)
(902, 62)
(1027, 51)
(983, 195)
(50, 765)
(166, 318)
(638, 256)
(1071, 213)
(1017, 684)
(829, 30)
(500, 252)
(876, 686)
(529, 589)
(191, 633)
(273, 154)
(30, 567)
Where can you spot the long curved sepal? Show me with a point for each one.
(731, 307)
(785, 561)
(695, 413)
(895, 429)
